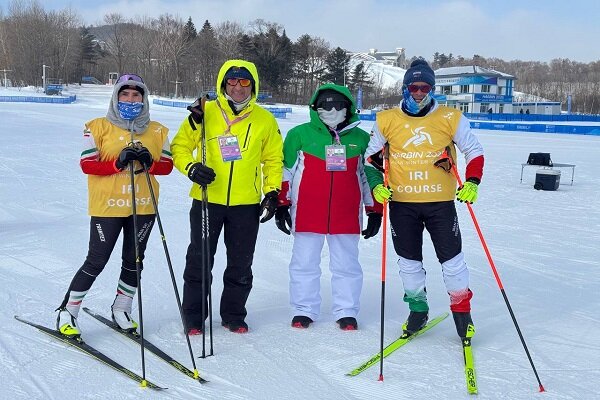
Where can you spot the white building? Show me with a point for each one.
(475, 89)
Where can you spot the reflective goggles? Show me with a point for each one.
(416, 88)
(329, 105)
(242, 81)
(130, 77)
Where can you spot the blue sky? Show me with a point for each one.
(526, 30)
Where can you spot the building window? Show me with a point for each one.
(464, 88)
(485, 88)
(446, 89)
(464, 107)
(484, 107)
(501, 109)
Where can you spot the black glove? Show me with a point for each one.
(145, 157)
(376, 160)
(127, 155)
(268, 205)
(373, 225)
(201, 174)
(283, 220)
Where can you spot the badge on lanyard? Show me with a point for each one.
(230, 148)
(335, 157)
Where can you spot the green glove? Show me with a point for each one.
(382, 193)
(467, 193)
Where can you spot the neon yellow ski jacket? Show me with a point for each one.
(261, 165)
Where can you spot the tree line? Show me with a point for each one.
(171, 54)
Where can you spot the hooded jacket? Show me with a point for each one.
(240, 181)
(325, 202)
(109, 193)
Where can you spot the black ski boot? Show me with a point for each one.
(415, 322)
(301, 321)
(347, 324)
(462, 320)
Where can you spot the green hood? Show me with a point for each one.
(314, 116)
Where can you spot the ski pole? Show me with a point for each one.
(170, 265)
(383, 264)
(138, 271)
(206, 285)
(498, 281)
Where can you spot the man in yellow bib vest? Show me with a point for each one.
(421, 195)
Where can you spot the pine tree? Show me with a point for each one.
(190, 30)
(337, 63)
(89, 51)
(359, 78)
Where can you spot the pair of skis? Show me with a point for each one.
(98, 355)
(404, 339)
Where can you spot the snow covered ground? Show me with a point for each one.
(546, 246)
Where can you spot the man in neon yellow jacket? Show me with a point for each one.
(243, 156)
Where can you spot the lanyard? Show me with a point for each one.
(337, 137)
(228, 121)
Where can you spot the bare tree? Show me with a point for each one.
(228, 38)
(115, 43)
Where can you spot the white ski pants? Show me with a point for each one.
(305, 274)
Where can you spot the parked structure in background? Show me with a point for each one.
(394, 58)
(474, 89)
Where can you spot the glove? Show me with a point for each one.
(201, 174)
(467, 193)
(382, 193)
(127, 155)
(145, 157)
(444, 162)
(283, 220)
(268, 205)
(373, 225)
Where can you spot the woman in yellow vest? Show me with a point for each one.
(126, 135)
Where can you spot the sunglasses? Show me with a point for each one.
(242, 81)
(422, 88)
(130, 77)
(329, 105)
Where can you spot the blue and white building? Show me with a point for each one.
(475, 89)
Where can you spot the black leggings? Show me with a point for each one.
(439, 218)
(104, 232)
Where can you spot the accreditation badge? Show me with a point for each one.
(335, 157)
(230, 148)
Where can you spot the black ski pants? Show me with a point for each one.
(439, 218)
(104, 232)
(240, 225)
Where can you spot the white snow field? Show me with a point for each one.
(546, 246)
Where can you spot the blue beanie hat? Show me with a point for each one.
(239, 73)
(419, 71)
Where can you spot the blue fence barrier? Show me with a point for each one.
(277, 112)
(171, 103)
(367, 117)
(538, 128)
(33, 99)
(534, 117)
(279, 109)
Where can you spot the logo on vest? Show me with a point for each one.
(419, 136)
